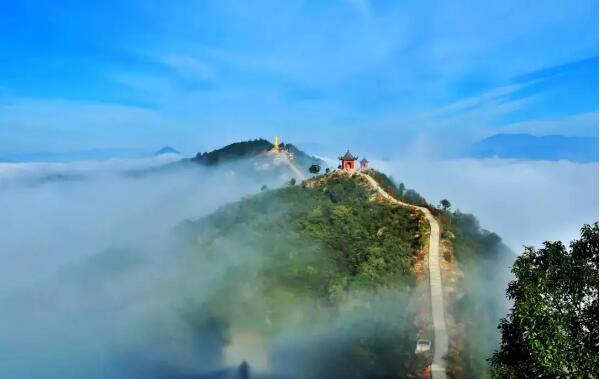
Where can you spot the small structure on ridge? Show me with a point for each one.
(347, 161)
(364, 164)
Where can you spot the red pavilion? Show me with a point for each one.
(347, 161)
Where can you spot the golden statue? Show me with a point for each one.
(276, 144)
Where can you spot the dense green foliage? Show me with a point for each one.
(445, 205)
(307, 251)
(326, 243)
(314, 169)
(364, 242)
(552, 329)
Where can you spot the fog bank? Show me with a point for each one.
(95, 283)
(86, 266)
(90, 282)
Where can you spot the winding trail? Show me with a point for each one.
(440, 343)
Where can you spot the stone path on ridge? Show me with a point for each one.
(440, 343)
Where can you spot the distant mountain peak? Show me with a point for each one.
(251, 149)
(527, 146)
(167, 150)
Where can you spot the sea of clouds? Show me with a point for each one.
(56, 217)
(67, 309)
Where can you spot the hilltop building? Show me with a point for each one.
(364, 164)
(347, 161)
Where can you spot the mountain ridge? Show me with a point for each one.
(528, 146)
(251, 149)
(167, 150)
(324, 242)
(337, 217)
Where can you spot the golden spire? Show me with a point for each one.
(276, 144)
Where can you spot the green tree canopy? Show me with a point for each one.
(314, 169)
(552, 328)
(445, 204)
(401, 189)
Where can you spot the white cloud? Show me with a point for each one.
(54, 324)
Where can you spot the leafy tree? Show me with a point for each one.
(314, 169)
(401, 189)
(327, 170)
(445, 204)
(264, 187)
(292, 181)
(552, 328)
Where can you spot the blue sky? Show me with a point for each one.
(381, 75)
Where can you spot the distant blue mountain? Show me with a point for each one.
(167, 150)
(527, 146)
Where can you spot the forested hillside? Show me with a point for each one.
(323, 261)
(321, 279)
(317, 250)
(234, 151)
(251, 149)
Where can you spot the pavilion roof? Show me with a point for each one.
(364, 160)
(348, 156)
